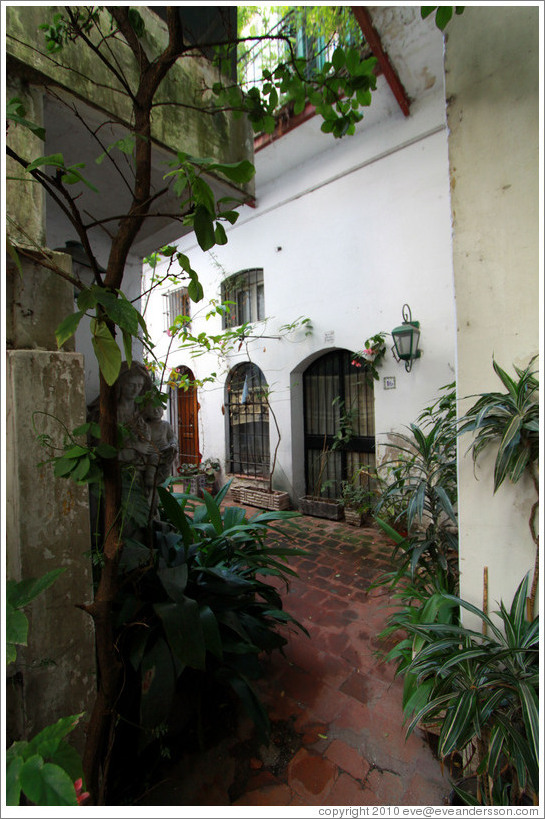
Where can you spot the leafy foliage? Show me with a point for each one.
(45, 768)
(510, 419)
(421, 489)
(195, 601)
(484, 691)
(443, 14)
(19, 595)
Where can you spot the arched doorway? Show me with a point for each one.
(248, 417)
(187, 424)
(338, 400)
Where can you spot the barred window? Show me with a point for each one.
(176, 304)
(248, 413)
(246, 292)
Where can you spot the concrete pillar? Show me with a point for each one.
(47, 519)
(492, 91)
(26, 198)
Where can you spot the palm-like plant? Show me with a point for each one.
(422, 484)
(510, 419)
(484, 691)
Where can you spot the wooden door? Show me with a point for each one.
(188, 424)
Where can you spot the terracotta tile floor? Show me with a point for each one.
(336, 711)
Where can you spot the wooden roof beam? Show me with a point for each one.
(373, 40)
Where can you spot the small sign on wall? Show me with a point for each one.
(329, 337)
(389, 382)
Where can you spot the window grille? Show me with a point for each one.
(176, 304)
(336, 396)
(248, 414)
(246, 291)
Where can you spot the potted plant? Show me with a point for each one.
(358, 501)
(196, 477)
(483, 687)
(371, 355)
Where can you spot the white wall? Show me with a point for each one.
(344, 238)
(492, 79)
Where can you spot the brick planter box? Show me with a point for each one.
(321, 507)
(353, 517)
(276, 501)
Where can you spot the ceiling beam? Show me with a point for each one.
(373, 40)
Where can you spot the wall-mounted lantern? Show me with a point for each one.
(406, 338)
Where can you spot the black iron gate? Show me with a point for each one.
(339, 423)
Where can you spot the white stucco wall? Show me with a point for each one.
(492, 86)
(345, 236)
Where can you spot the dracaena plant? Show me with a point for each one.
(483, 690)
(421, 488)
(510, 420)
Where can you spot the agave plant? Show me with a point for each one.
(510, 419)
(483, 689)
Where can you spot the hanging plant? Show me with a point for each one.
(370, 357)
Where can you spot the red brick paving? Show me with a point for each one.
(341, 703)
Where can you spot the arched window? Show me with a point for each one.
(245, 291)
(248, 414)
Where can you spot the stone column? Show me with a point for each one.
(47, 519)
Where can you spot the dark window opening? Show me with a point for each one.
(337, 398)
(246, 292)
(248, 414)
(177, 304)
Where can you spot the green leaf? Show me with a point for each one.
(105, 450)
(119, 310)
(56, 160)
(183, 630)
(442, 16)
(220, 235)
(127, 346)
(87, 299)
(106, 350)
(136, 22)
(240, 172)
(213, 512)
(203, 195)
(47, 784)
(63, 467)
(211, 632)
(176, 515)
(230, 216)
(67, 758)
(204, 228)
(338, 59)
(195, 290)
(68, 327)
(81, 469)
(22, 593)
(13, 780)
(16, 628)
(47, 741)
(174, 581)
(15, 112)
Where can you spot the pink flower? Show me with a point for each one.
(169, 332)
(81, 797)
(369, 351)
(356, 363)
